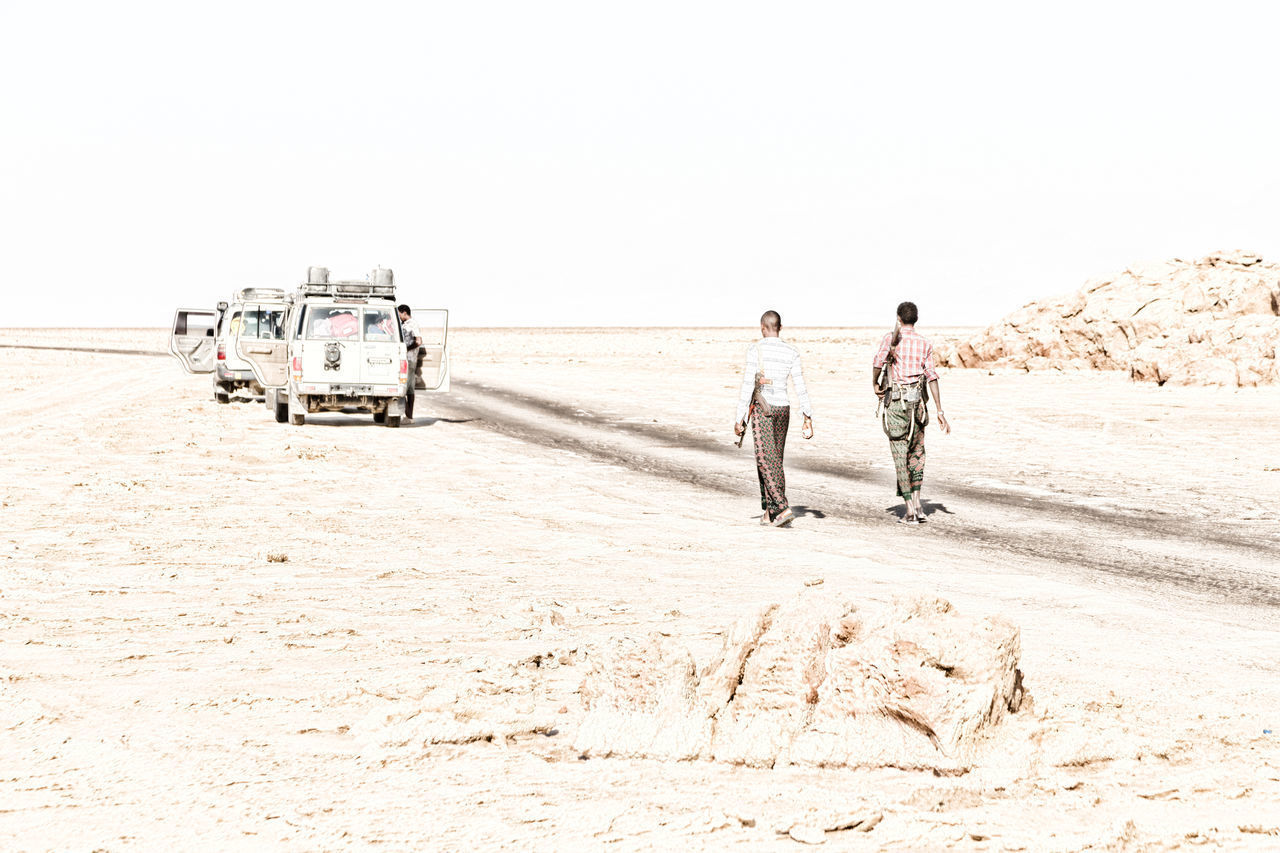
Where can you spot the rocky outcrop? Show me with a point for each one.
(818, 682)
(1214, 321)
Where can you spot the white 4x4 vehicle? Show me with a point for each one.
(327, 347)
(343, 348)
(206, 341)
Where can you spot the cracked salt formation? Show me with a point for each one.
(819, 681)
(1212, 321)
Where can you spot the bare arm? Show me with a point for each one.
(937, 398)
(802, 392)
(882, 360)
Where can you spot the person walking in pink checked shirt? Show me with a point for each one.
(912, 381)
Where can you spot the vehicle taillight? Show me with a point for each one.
(222, 352)
(404, 368)
(297, 367)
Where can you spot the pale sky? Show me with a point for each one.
(549, 163)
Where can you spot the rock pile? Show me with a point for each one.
(816, 682)
(1213, 321)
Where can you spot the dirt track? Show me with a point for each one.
(1222, 564)
(165, 684)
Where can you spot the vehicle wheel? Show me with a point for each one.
(282, 411)
(221, 396)
(379, 417)
(297, 420)
(393, 420)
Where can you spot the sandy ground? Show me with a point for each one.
(407, 677)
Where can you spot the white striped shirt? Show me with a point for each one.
(777, 360)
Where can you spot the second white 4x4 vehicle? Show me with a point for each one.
(206, 340)
(342, 348)
(258, 314)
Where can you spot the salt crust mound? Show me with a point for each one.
(1214, 321)
(820, 681)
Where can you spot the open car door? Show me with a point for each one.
(262, 343)
(191, 339)
(433, 364)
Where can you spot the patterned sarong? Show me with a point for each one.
(769, 432)
(908, 456)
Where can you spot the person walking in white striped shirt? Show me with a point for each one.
(764, 401)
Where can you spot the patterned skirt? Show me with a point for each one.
(769, 432)
(908, 454)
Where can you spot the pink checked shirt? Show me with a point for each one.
(915, 356)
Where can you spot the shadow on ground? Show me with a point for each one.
(421, 422)
(362, 419)
(929, 507)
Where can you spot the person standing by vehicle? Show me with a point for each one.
(909, 360)
(413, 348)
(764, 401)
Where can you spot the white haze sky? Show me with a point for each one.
(550, 163)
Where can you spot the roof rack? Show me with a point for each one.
(349, 288)
(381, 285)
(248, 294)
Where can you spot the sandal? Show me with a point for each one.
(784, 518)
(907, 519)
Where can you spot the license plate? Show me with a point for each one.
(363, 390)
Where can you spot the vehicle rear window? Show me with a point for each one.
(379, 325)
(230, 324)
(432, 326)
(265, 324)
(329, 323)
(194, 323)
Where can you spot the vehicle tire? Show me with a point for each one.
(282, 410)
(297, 420)
(393, 421)
(221, 396)
(379, 417)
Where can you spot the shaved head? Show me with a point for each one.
(772, 321)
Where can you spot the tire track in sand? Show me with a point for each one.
(1228, 565)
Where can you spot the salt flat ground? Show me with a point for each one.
(407, 678)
